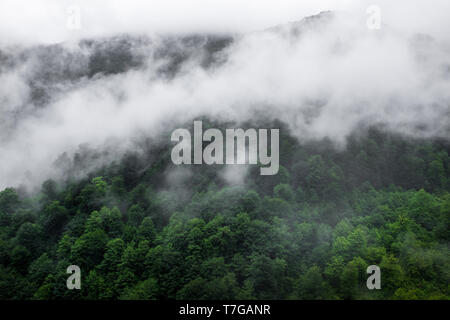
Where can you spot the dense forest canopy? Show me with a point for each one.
(87, 178)
(143, 229)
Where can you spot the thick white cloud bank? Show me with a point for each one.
(45, 21)
(326, 80)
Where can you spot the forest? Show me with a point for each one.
(374, 191)
(143, 228)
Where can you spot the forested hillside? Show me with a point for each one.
(141, 228)
(87, 177)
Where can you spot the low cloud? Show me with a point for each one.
(323, 77)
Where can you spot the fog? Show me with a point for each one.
(45, 21)
(324, 77)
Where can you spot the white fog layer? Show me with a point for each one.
(324, 76)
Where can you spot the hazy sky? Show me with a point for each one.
(46, 20)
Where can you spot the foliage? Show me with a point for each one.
(309, 232)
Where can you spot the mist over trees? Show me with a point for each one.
(363, 178)
(324, 76)
(309, 232)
